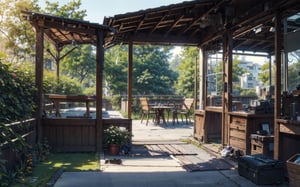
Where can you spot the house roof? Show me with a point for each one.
(63, 31)
(203, 23)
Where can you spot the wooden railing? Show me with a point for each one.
(70, 134)
(78, 134)
(10, 140)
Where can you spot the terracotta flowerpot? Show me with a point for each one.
(114, 149)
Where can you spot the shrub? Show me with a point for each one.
(17, 92)
(116, 135)
(66, 85)
(116, 102)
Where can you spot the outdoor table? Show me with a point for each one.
(160, 112)
(71, 98)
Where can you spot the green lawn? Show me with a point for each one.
(44, 171)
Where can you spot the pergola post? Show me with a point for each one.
(57, 61)
(129, 81)
(204, 78)
(201, 79)
(277, 90)
(39, 62)
(99, 91)
(227, 84)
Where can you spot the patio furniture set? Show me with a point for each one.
(158, 110)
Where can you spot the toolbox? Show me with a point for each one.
(261, 169)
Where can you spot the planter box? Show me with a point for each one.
(293, 170)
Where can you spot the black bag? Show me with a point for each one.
(261, 169)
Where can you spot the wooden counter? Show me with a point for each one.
(70, 98)
(242, 125)
(208, 124)
(287, 139)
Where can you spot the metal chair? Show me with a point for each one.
(146, 110)
(184, 110)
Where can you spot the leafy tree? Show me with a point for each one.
(185, 83)
(65, 86)
(80, 64)
(237, 71)
(152, 74)
(248, 92)
(17, 33)
(115, 69)
(19, 36)
(69, 10)
(264, 75)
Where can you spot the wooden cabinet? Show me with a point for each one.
(199, 125)
(261, 144)
(237, 133)
(242, 125)
(208, 124)
(286, 139)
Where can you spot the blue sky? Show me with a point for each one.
(97, 9)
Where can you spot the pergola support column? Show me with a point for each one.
(278, 47)
(227, 84)
(202, 79)
(39, 71)
(129, 81)
(99, 91)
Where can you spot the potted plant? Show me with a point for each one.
(114, 137)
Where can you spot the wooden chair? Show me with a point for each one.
(146, 110)
(48, 106)
(183, 110)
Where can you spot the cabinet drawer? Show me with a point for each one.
(237, 143)
(238, 134)
(237, 120)
(238, 126)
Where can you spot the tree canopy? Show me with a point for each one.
(186, 71)
(151, 71)
(16, 33)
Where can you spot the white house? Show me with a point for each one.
(250, 79)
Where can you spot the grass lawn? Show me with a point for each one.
(44, 171)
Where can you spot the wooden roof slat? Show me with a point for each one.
(62, 31)
(196, 21)
(157, 24)
(180, 19)
(181, 23)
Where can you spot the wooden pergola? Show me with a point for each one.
(213, 25)
(62, 32)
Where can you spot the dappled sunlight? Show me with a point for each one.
(74, 161)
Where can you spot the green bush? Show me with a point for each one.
(17, 92)
(65, 86)
(116, 102)
(90, 91)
